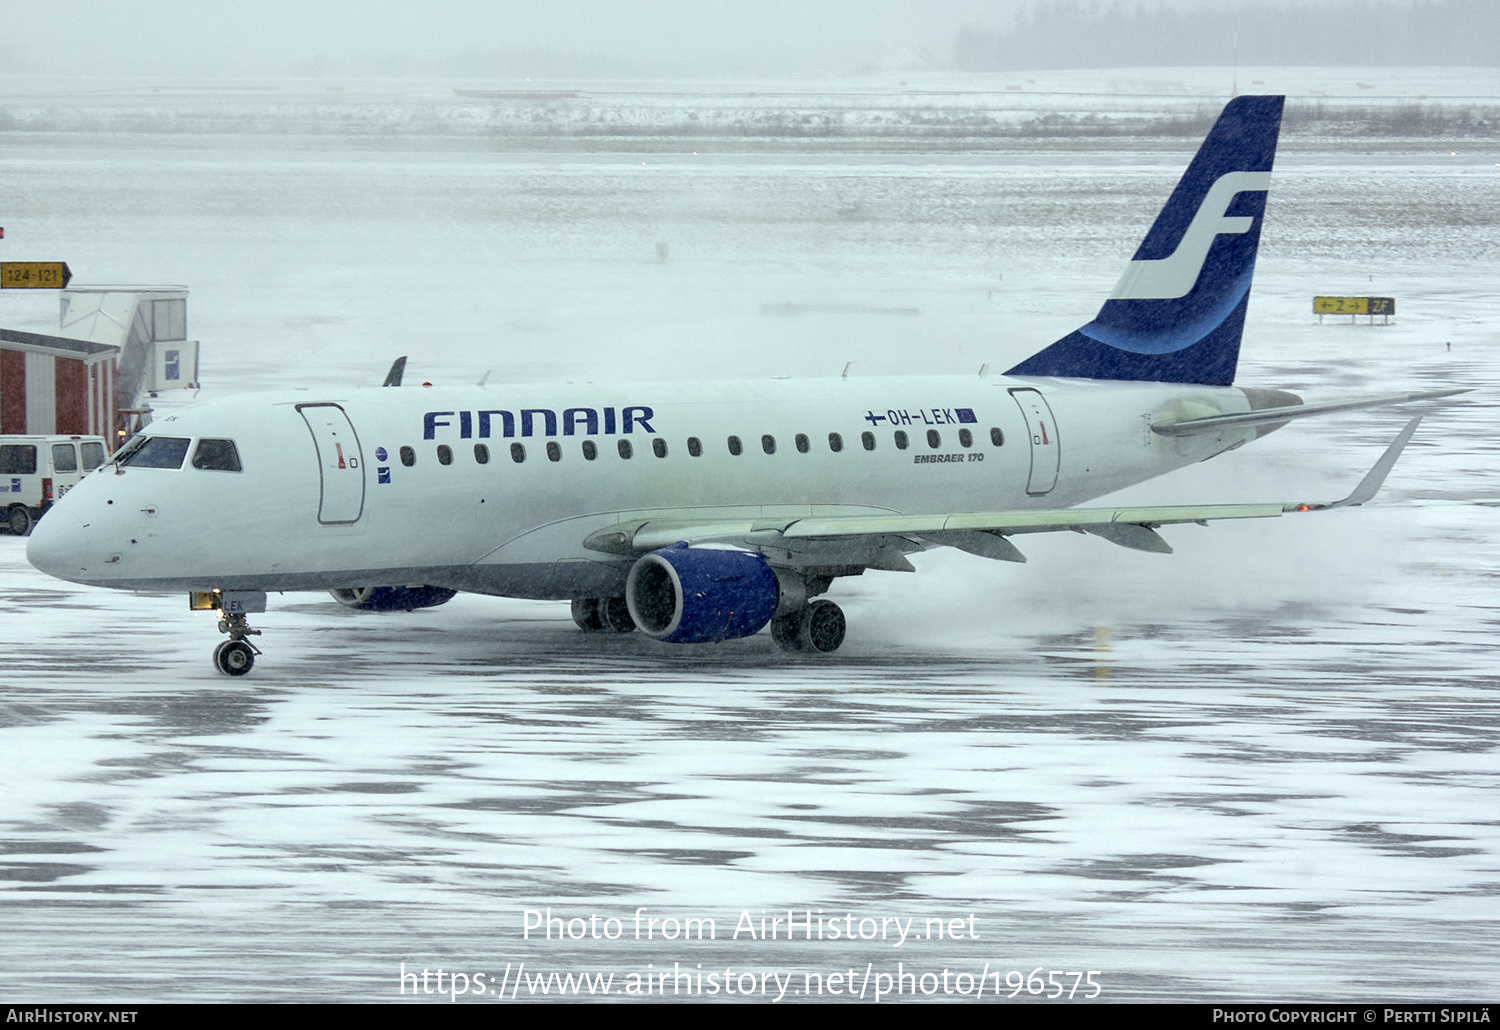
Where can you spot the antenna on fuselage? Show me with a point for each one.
(398, 369)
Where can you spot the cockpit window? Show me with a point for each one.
(217, 455)
(131, 446)
(156, 452)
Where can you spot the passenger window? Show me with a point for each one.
(659, 447)
(445, 454)
(18, 459)
(802, 443)
(868, 439)
(554, 451)
(934, 438)
(695, 446)
(93, 455)
(735, 447)
(996, 437)
(64, 458)
(835, 442)
(481, 454)
(158, 452)
(408, 457)
(517, 453)
(965, 438)
(623, 446)
(902, 442)
(217, 456)
(768, 443)
(590, 452)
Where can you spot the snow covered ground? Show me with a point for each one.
(1261, 768)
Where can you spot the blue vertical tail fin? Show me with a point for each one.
(1177, 312)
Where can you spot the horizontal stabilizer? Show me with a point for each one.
(1267, 416)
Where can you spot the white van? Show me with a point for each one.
(37, 470)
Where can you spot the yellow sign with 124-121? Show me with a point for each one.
(34, 275)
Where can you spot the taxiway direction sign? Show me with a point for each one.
(34, 275)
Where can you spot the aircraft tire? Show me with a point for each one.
(823, 627)
(586, 614)
(786, 630)
(614, 613)
(19, 520)
(234, 657)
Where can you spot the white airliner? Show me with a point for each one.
(705, 511)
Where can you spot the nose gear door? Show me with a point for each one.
(1042, 430)
(340, 463)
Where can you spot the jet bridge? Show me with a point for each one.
(148, 324)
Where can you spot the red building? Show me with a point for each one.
(54, 385)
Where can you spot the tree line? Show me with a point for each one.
(1070, 34)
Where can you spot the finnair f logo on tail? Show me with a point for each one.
(1175, 276)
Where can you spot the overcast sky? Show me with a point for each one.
(175, 37)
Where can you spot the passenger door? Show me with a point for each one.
(1042, 430)
(340, 463)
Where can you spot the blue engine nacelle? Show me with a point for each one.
(392, 599)
(693, 595)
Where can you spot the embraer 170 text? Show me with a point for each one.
(704, 511)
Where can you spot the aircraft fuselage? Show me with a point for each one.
(325, 503)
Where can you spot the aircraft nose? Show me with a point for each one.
(59, 545)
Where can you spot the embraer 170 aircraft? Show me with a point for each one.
(704, 511)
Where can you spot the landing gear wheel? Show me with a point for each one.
(786, 630)
(614, 612)
(823, 627)
(586, 614)
(19, 521)
(818, 627)
(234, 657)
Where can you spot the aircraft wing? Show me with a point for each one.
(880, 540)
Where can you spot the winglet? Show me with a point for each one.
(1375, 478)
(398, 369)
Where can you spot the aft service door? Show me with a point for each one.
(1044, 446)
(340, 463)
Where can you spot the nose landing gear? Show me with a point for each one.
(235, 656)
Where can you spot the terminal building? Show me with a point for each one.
(54, 385)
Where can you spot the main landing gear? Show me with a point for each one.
(601, 614)
(818, 626)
